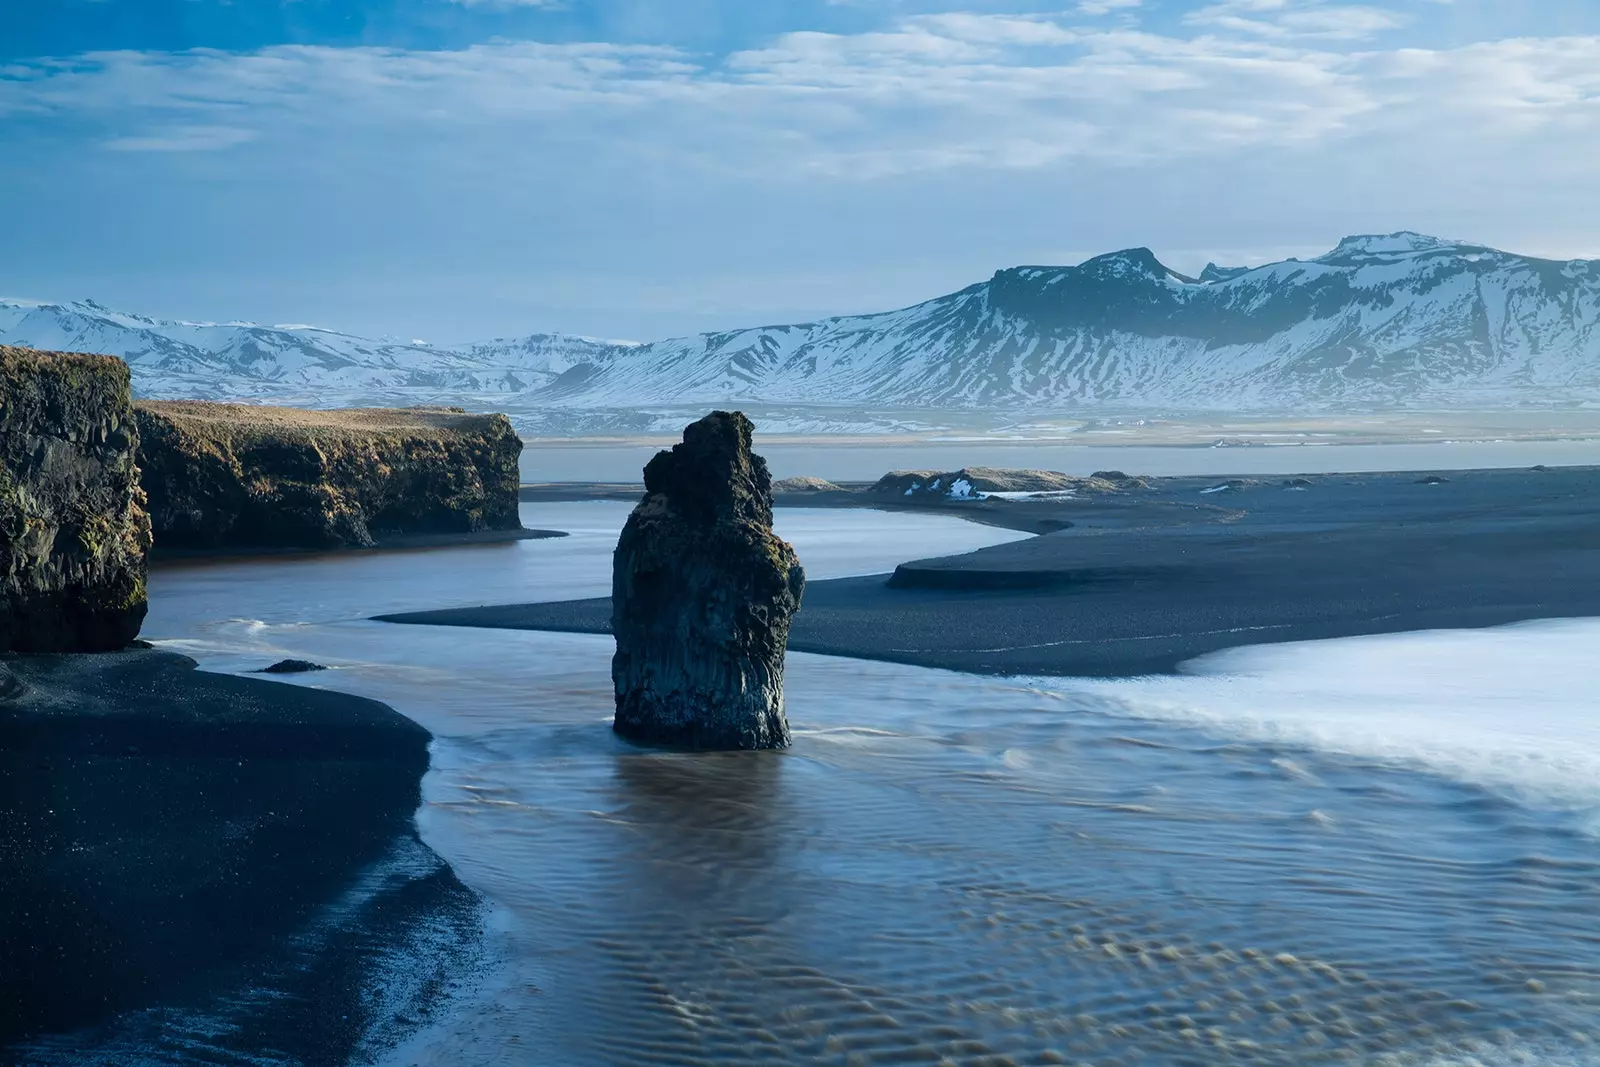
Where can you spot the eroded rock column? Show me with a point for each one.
(702, 595)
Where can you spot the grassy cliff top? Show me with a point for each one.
(14, 360)
(205, 417)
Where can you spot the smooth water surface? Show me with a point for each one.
(1214, 869)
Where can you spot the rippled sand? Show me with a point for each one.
(945, 868)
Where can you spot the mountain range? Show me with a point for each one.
(1381, 322)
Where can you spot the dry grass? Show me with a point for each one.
(40, 357)
(202, 416)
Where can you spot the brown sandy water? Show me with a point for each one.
(944, 868)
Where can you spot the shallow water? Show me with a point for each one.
(1377, 851)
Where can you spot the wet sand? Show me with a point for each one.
(1140, 581)
(173, 839)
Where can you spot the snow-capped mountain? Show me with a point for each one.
(1402, 320)
(293, 364)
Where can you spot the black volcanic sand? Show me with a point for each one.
(1139, 581)
(172, 840)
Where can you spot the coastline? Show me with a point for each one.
(177, 838)
(1142, 581)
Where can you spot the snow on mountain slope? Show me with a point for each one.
(292, 364)
(1401, 320)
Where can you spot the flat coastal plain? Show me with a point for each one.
(1140, 580)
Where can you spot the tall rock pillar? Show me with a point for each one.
(702, 595)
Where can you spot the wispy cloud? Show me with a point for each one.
(1282, 19)
(1105, 7)
(182, 139)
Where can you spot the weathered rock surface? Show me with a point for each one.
(232, 475)
(702, 596)
(972, 482)
(74, 535)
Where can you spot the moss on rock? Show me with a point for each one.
(234, 475)
(74, 534)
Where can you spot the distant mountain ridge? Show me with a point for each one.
(1393, 321)
(247, 361)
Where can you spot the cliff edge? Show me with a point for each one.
(73, 529)
(237, 475)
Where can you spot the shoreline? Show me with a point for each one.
(208, 847)
(1139, 582)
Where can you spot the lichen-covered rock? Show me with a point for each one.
(74, 535)
(702, 596)
(234, 475)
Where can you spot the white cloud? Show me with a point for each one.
(932, 93)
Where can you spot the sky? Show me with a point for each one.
(463, 169)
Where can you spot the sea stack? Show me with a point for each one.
(702, 595)
(74, 535)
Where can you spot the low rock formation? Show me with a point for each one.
(972, 483)
(702, 596)
(233, 475)
(292, 666)
(73, 530)
(805, 483)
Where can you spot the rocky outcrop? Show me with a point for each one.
(972, 483)
(232, 475)
(702, 596)
(73, 530)
(805, 483)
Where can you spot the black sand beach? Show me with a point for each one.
(1139, 581)
(166, 837)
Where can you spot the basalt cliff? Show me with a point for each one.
(702, 596)
(231, 475)
(73, 530)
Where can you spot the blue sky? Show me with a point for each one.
(455, 169)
